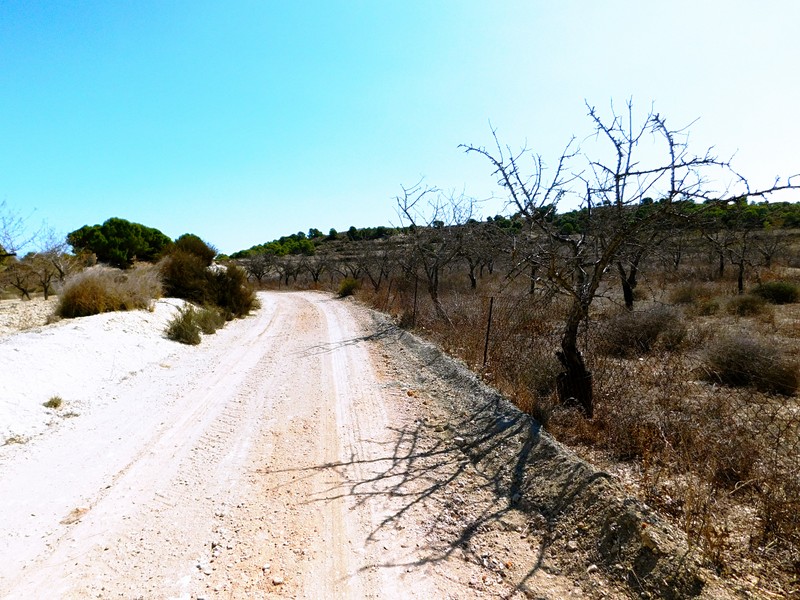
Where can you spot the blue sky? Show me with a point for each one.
(244, 121)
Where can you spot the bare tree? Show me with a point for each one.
(286, 267)
(375, 259)
(732, 230)
(15, 235)
(770, 243)
(480, 247)
(631, 160)
(258, 265)
(433, 223)
(316, 265)
(20, 275)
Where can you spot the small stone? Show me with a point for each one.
(591, 569)
(277, 580)
(266, 567)
(572, 546)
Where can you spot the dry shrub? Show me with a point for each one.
(746, 305)
(187, 276)
(688, 293)
(104, 289)
(635, 333)
(705, 307)
(348, 287)
(210, 318)
(229, 289)
(744, 360)
(723, 461)
(184, 327)
(698, 299)
(708, 455)
(777, 292)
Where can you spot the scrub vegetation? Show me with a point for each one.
(654, 328)
(121, 265)
(647, 320)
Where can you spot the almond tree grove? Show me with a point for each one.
(627, 161)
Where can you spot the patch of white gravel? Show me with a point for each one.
(79, 360)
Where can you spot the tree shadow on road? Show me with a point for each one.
(467, 491)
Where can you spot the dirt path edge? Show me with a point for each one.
(618, 534)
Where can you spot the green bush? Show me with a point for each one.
(210, 318)
(777, 292)
(230, 290)
(634, 333)
(348, 287)
(194, 245)
(185, 276)
(103, 289)
(184, 327)
(741, 360)
(746, 305)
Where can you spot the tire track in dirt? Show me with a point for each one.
(290, 455)
(177, 469)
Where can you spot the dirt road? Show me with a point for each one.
(286, 456)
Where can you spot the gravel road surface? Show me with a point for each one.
(289, 455)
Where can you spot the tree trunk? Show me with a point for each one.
(575, 382)
(532, 286)
(473, 282)
(677, 254)
(740, 277)
(433, 292)
(627, 290)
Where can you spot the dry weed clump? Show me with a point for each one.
(629, 333)
(186, 326)
(746, 305)
(54, 402)
(348, 287)
(697, 298)
(210, 318)
(104, 289)
(742, 359)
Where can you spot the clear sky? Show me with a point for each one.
(244, 121)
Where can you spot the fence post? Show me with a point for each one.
(414, 314)
(488, 331)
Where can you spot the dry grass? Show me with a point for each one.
(55, 402)
(184, 327)
(721, 460)
(742, 359)
(104, 289)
